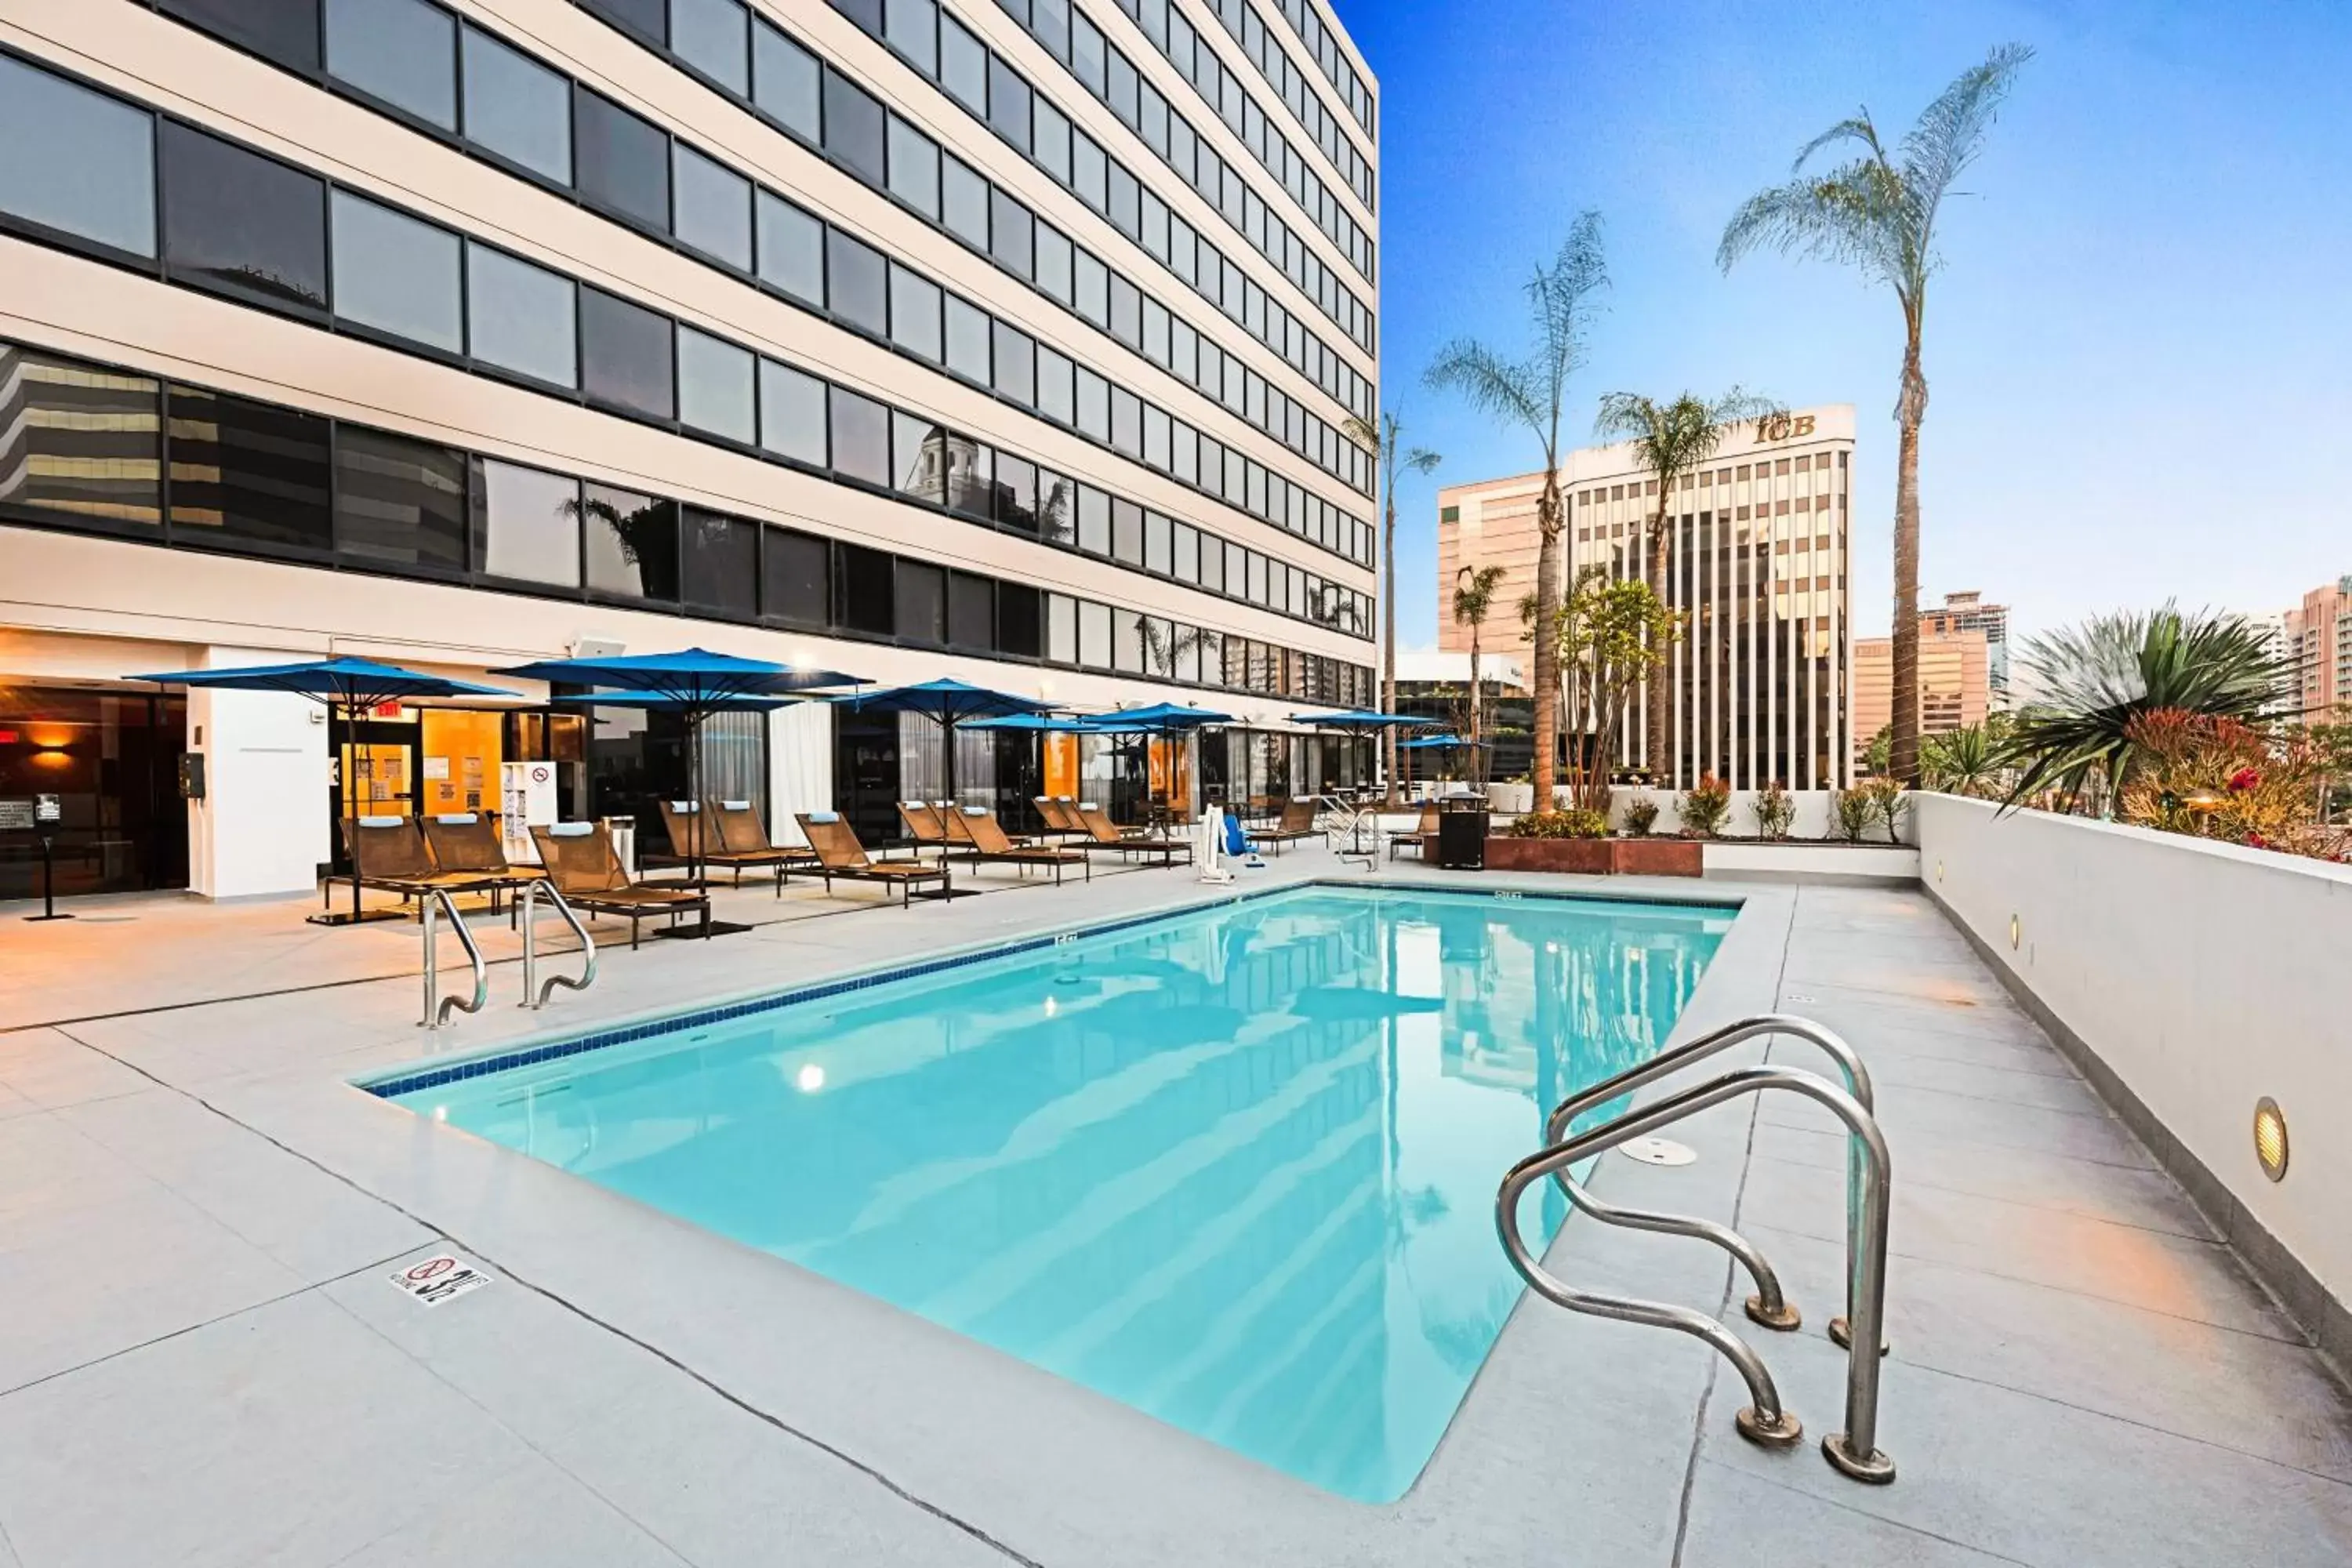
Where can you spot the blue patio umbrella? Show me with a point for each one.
(1364, 719)
(350, 684)
(949, 704)
(1432, 743)
(1165, 719)
(1035, 724)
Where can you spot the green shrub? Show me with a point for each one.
(1856, 809)
(1704, 807)
(1774, 809)
(1571, 824)
(1890, 806)
(1641, 815)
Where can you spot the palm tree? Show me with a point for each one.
(1669, 440)
(2097, 680)
(1388, 446)
(1878, 212)
(1473, 598)
(1967, 761)
(1528, 393)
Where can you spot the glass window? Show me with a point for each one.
(1094, 521)
(713, 36)
(1155, 436)
(1020, 616)
(624, 354)
(1126, 311)
(1131, 635)
(1056, 393)
(1090, 170)
(83, 442)
(971, 611)
(867, 13)
(720, 569)
(1184, 451)
(1155, 330)
(1093, 290)
(1056, 500)
(714, 386)
(791, 414)
(399, 500)
(1016, 365)
(794, 576)
(921, 601)
(1094, 635)
(526, 523)
(397, 273)
(920, 458)
(247, 472)
(972, 479)
(914, 168)
(645, 18)
(517, 108)
(865, 600)
(968, 336)
(1126, 533)
(1186, 541)
(75, 161)
(963, 204)
(519, 317)
(1213, 564)
(1118, 90)
(1087, 52)
(1125, 422)
(1050, 20)
(1049, 138)
(857, 282)
(632, 542)
(854, 128)
(1054, 262)
(403, 52)
(912, 27)
(286, 31)
(1125, 208)
(714, 208)
(861, 437)
(915, 313)
(785, 81)
(1094, 405)
(963, 65)
(1158, 545)
(1236, 578)
(1012, 236)
(1008, 102)
(622, 161)
(791, 249)
(1061, 628)
(1016, 492)
(242, 223)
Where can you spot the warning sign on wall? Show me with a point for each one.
(437, 1280)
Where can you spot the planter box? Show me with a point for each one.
(1576, 856)
(1658, 856)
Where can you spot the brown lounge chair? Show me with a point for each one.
(1101, 834)
(469, 842)
(681, 819)
(389, 854)
(839, 854)
(973, 831)
(585, 867)
(1059, 813)
(743, 841)
(1297, 821)
(926, 824)
(1423, 837)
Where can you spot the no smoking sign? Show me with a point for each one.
(438, 1280)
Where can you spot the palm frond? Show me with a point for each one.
(1511, 393)
(1421, 460)
(1860, 128)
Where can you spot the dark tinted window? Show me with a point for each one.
(78, 442)
(971, 479)
(864, 600)
(646, 18)
(963, 65)
(237, 222)
(1016, 492)
(526, 523)
(624, 354)
(921, 454)
(520, 317)
(1056, 503)
(246, 471)
(791, 413)
(632, 542)
(399, 500)
(1008, 104)
(791, 249)
(971, 611)
(1020, 620)
(857, 284)
(75, 161)
(397, 273)
(968, 333)
(867, 13)
(854, 126)
(793, 574)
(713, 208)
(712, 36)
(401, 51)
(286, 31)
(714, 386)
(721, 568)
(518, 108)
(1012, 236)
(921, 599)
(619, 159)
(861, 437)
(784, 80)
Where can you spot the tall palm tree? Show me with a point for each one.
(1529, 391)
(1878, 211)
(1387, 443)
(1669, 440)
(1473, 600)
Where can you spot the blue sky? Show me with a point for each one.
(2138, 350)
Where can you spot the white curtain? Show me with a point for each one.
(800, 766)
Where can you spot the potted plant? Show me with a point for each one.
(1703, 807)
(1775, 811)
(1574, 840)
(1856, 808)
(1641, 816)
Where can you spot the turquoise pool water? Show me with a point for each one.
(1235, 1167)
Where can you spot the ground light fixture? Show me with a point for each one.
(2269, 1138)
(2016, 932)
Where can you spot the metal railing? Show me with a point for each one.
(534, 994)
(438, 1007)
(1343, 828)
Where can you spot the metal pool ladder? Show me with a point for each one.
(535, 995)
(1343, 828)
(1853, 1452)
(436, 901)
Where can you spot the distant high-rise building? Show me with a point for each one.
(2319, 643)
(1955, 681)
(1968, 612)
(1756, 558)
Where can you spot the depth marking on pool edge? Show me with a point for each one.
(442, 1277)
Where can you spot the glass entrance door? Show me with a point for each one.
(112, 759)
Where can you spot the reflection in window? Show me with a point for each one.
(399, 500)
(854, 126)
(1094, 635)
(921, 457)
(793, 414)
(856, 282)
(621, 161)
(397, 273)
(1126, 533)
(242, 223)
(517, 108)
(527, 523)
(1057, 507)
(403, 52)
(632, 542)
(78, 442)
(246, 471)
(713, 208)
(1056, 390)
(1016, 365)
(75, 161)
(971, 480)
(721, 568)
(520, 317)
(1016, 492)
(624, 354)
(861, 437)
(792, 250)
(795, 572)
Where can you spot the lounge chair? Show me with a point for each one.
(467, 842)
(972, 830)
(389, 855)
(839, 854)
(585, 869)
(926, 824)
(743, 841)
(1101, 834)
(1297, 821)
(1059, 813)
(1421, 839)
(684, 819)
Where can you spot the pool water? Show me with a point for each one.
(1235, 1167)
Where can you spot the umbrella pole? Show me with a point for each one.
(947, 744)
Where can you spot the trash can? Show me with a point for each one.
(1462, 832)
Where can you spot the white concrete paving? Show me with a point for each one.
(202, 1362)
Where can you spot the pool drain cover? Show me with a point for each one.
(1658, 1152)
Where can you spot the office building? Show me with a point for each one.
(2318, 640)
(1955, 681)
(1013, 342)
(1968, 612)
(1756, 560)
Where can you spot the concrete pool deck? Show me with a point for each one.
(204, 1362)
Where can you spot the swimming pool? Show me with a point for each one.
(1234, 1166)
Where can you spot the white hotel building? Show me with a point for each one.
(1761, 686)
(1010, 339)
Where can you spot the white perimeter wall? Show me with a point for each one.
(2204, 975)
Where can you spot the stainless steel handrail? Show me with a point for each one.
(1766, 1307)
(535, 995)
(1855, 1451)
(1350, 824)
(437, 899)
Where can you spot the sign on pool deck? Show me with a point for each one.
(440, 1278)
